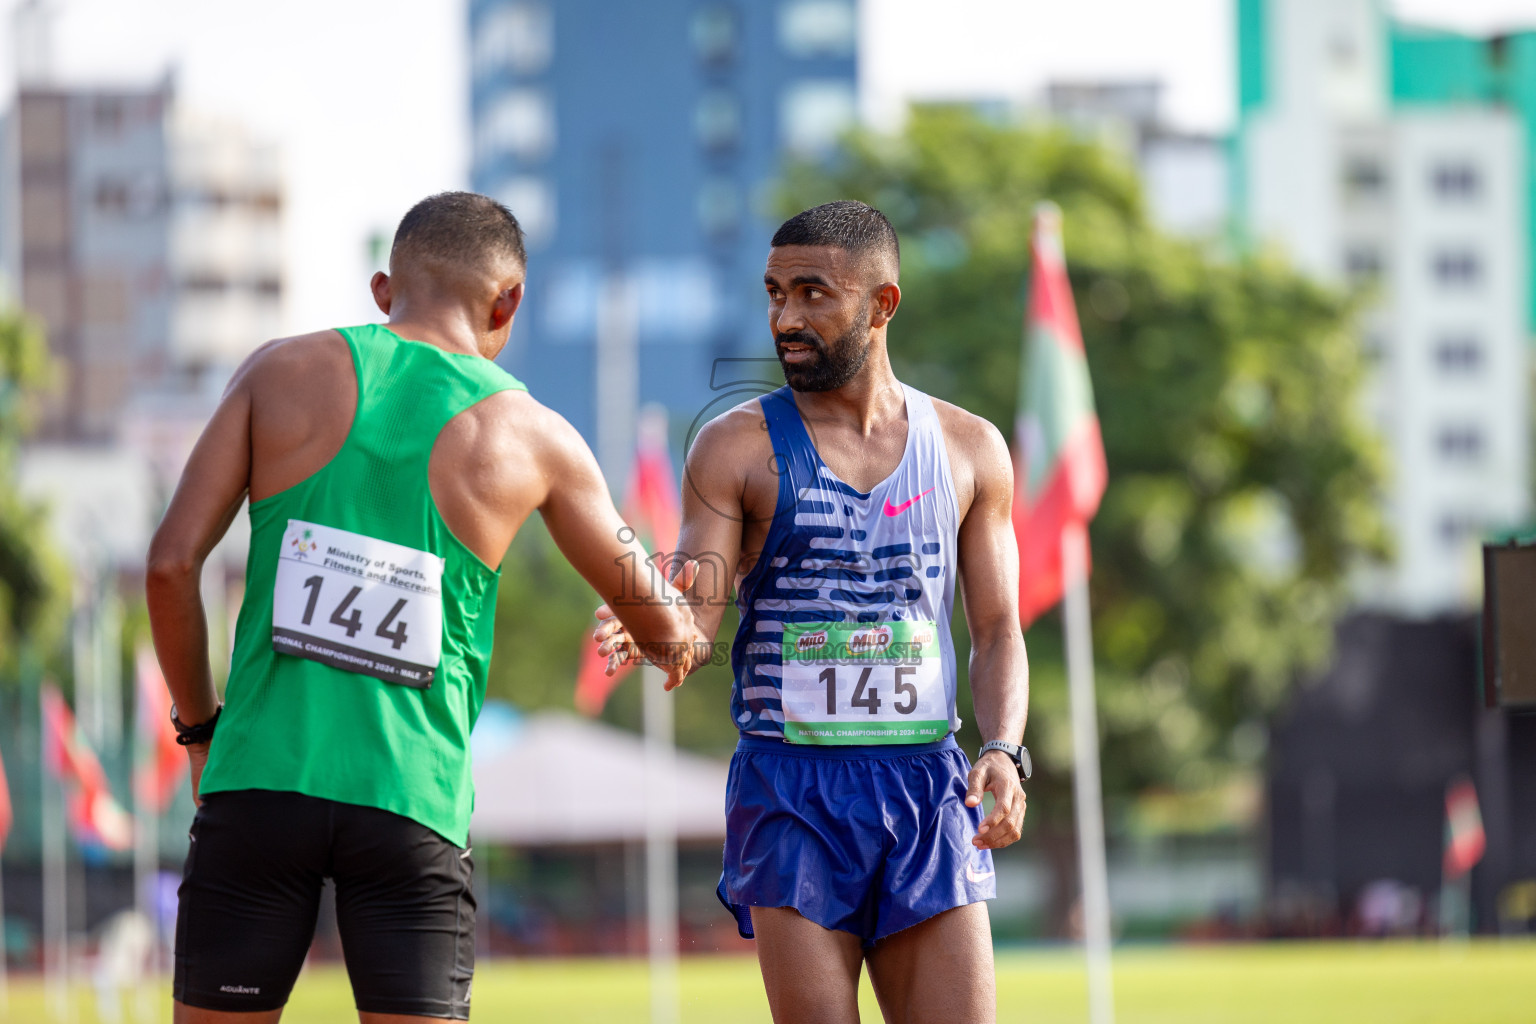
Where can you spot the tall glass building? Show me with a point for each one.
(638, 143)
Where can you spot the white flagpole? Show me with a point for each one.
(55, 895)
(1087, 789)
(660, 846)
(146, 846)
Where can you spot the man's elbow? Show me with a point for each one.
(169, 565)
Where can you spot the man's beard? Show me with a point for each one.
(834, 365)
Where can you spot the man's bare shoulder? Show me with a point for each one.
(735, 437)
(301, 357)
(502, 431)
(978, 454)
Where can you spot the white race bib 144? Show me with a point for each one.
(358, 604)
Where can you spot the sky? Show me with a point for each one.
(368, 98)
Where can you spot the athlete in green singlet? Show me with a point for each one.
(387, 468)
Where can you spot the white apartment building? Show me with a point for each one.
(1426, 206)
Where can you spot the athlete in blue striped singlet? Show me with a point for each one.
(843, 509)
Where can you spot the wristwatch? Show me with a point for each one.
(1017, 753)
(202, 732)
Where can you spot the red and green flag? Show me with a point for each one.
(5, 806)
(93, 814)
(653, 508)
(1058, 450)
(1465, 839)
(161, 763)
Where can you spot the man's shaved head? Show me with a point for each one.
(459, 235)
(858, 229)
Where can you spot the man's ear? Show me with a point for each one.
(886, 298)
(383, 294)
(505, 306)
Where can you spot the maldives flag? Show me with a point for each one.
(652, 506)
(1060, 470)
(161, 763)
(5, 806)
(88, 804)
(1465, 840)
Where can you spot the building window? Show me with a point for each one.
(520, 122)
(818, 28)
(714, 34)
(1458, 353)
(719, 205)
(717, 119)
(814, 113)
(1456, 529)
(1457, 268)
(135, 196)
(1455, 181)
(1460, 443)
(1364, 178)
(1362, 264)
(532, 202)
(517, 36)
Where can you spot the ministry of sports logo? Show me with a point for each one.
(304, 544)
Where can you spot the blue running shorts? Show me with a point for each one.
(868, 840)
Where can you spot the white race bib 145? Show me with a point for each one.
(859, 683)
(358, 604)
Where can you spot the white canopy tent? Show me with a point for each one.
(551, 777)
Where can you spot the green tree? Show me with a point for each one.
(32, 584)
(1243, 486)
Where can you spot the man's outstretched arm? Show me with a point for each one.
(708, 558)
(586, 527)
(999, 667)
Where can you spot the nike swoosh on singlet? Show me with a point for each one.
(896, 510)
(973, 876)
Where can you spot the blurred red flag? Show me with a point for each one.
(89, 806)
(1060, 470)
(5, 806)
(161, 763)
(1465, 839)
(653, 507)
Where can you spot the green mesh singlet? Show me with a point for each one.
(298, 725)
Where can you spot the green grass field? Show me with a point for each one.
(1347, 983)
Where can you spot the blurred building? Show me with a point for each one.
(1185, 174)
(146, 242)
(1400, 158)
(636, 143)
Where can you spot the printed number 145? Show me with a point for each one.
(867, 696)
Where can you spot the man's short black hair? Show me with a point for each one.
(459, 228)
(846, 224)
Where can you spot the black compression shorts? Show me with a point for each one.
(251, 891)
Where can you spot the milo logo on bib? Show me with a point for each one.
(847, 683)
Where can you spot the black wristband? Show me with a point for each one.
(202, 732)
(1017, 753)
